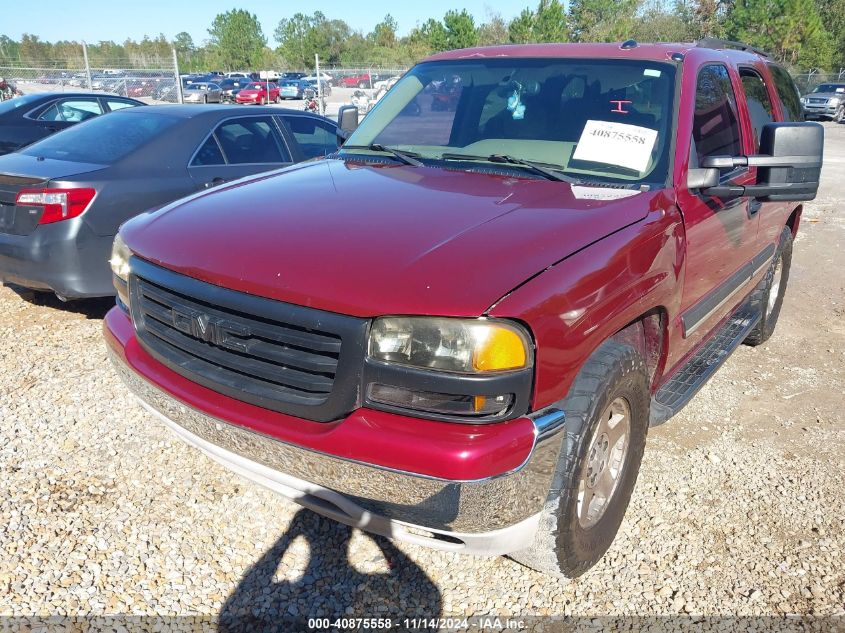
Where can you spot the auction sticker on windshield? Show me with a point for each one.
(619, 144)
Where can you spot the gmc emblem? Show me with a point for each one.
(211, 329)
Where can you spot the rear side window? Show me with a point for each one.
(759, 103)
(251, 140)
(315, 137)
(788, 94)
(105, 139)
(208, 154)
(72, 111)
(117, 104)
(715, 128)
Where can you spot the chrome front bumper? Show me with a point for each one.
(488, 516)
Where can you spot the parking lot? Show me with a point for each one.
(338, 97)
(738, 509)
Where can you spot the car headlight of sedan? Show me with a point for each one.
(119, 262)
(449, 368)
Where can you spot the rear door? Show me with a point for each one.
(761, 100)
(721, 234)
(239, 147)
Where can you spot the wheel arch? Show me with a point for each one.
(649, 335)
(795, 219)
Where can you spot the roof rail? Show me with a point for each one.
(716, 43)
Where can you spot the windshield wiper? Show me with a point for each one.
(404, 157)
(537, 168)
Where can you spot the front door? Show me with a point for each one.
(721, 235)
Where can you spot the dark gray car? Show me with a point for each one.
(62, 199)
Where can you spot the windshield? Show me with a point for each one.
(830, 88)
(256, 87)
(197, 86)
(104, 139)
(602, 119)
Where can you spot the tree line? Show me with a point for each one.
(804, 34)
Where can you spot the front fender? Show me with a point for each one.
(585, 299)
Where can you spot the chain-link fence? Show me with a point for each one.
(806, 82)
(153, 81)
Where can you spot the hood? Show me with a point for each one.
(825, 95)
(371, 240)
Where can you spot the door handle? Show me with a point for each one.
(754, 206)
(214, 182)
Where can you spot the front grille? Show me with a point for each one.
(818, 101)
(279, 356)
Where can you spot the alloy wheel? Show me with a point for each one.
(774, 289)
(602, 470)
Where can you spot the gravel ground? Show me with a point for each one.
(738, 509)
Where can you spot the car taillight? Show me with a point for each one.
(59, 204)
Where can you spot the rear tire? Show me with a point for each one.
(579, 522)
(769, 294)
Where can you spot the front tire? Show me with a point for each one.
(263, 101)
(839, 116)
(769, 294)
(607, 412)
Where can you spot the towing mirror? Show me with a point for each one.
(788, 166)
(347, 121)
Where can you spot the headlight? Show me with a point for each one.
(470, 346)
(835, 100)
(119, 261)
(462, 370)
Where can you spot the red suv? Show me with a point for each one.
(362, 80)
(458, 330)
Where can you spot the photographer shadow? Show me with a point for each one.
(330, 586)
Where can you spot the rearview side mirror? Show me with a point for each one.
(347, 121)
(788, 166)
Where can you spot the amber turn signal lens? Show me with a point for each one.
(501, 349)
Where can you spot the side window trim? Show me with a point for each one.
(281, 132)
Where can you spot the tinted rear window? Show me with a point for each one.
(788, 93)
(103, 140)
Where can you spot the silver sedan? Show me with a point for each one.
(202, 93)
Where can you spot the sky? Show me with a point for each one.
(117, 20)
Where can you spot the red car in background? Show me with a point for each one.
(357, 81)
(257, 92)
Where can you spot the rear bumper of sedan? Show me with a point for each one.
(65, 257)
(491, 515)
